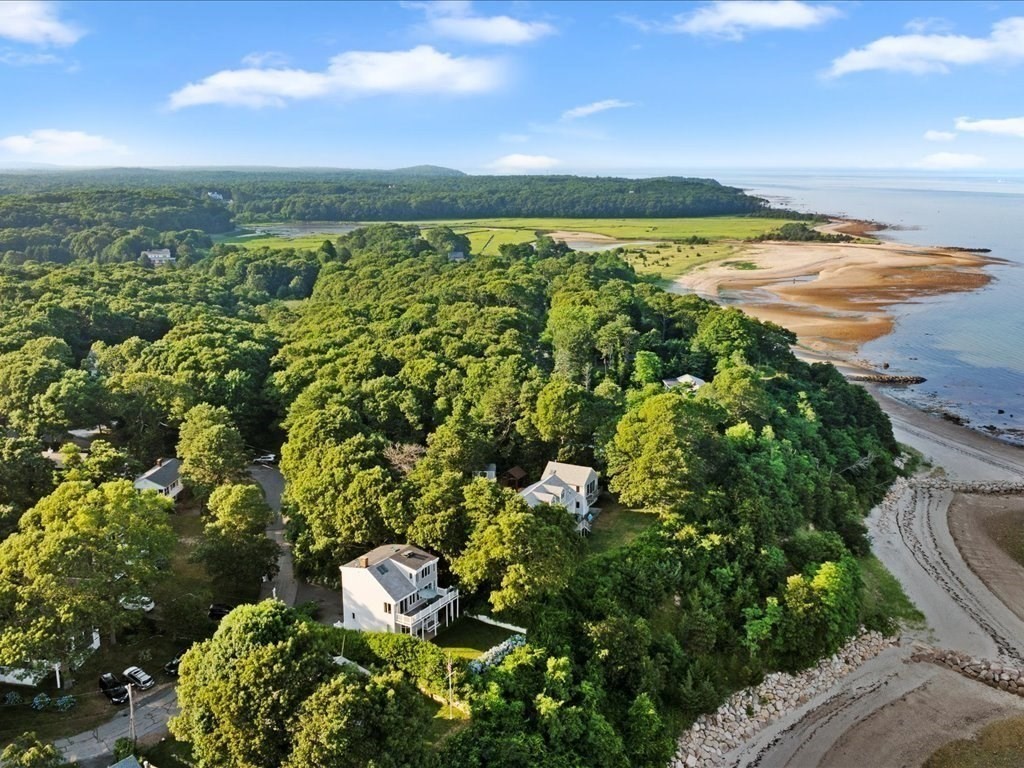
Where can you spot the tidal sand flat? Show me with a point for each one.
(836, 296)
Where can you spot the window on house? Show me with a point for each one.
(353, 615)
(387, 607)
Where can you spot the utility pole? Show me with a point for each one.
(131, 714)
(451, 673)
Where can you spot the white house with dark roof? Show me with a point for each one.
(566, 485)
(164, 478)
(159, 257)
(393, 588)
(686, 380)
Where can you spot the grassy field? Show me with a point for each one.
(617, 525)
(883, 594)
(486, 242)
(998, 745)
(468, 638)
(675, 260)
(303, 242)
(713, 227)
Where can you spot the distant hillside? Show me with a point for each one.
(38, 179)
(460, 197)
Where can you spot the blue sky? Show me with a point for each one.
(515, 86)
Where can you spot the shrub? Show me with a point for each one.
(64, 703)
(497, 653)
(424, 661)
(40, 702)
(13, 698)
(123, 748)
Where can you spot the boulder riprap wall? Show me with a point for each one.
(749, 711)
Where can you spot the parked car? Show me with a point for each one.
(113, 688)
(171, 667)
(266, 458)
(139, 679)
(139, 603)
(219, 610)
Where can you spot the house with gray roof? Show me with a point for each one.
(566, 485)
(394, 588)
(164, 478)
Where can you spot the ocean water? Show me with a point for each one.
(969, 346)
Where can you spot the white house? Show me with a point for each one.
(164, 478)
(686, 380)
(34, 674)
(393, 588)
(490, 472)
(159, 257)
(566, 485)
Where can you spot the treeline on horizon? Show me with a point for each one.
(113, 215)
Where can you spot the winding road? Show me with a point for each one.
(891, 712)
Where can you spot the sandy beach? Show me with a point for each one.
(935, 540)
(835, 296)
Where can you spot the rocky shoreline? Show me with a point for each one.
(1005, 677)
(746, 713)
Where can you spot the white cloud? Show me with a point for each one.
(36, 22)
(732, 19)
(51, 144)
(1009, 126)
(930, 24)
(920, 54)
(22, 59)
(948, 161)
(594, 108)
(265, 59)
(456, 20)
(355, 73)
(524, 163)
(939, 135)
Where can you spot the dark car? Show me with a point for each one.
(113, 688)
(219, 610)
(171, 667)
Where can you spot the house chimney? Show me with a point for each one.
(159, 462)
(364, 562)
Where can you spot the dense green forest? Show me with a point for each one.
(114, 215)
(391, 374)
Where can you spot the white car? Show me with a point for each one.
(266, 458)
(139, 679)
(140, 603)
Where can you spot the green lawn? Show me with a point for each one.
(617, 525)
(468, 638)
(997, 745)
